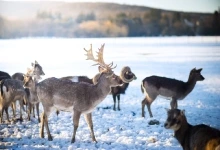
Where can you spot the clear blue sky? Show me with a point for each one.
(179, 5)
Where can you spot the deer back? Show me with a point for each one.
(66, 95)
(164, 86)
(4, 75)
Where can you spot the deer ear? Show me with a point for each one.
(32, 64)
(199, 70)
(36, 62)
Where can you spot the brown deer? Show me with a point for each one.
(36, 71)
(11, 90)
(169, 88)
(76, 97)
(126, 73)
(198, 137)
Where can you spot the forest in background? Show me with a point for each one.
(60, 19)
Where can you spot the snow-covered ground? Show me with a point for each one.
(172, 57)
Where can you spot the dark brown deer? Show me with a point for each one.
(4, 75)
(169, 88)
(76, 97)
(198, 137)
(11, 90)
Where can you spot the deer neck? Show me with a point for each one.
(33, 87)
(103, 86)
(182, 132)
(190, 84)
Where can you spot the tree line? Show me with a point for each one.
(153, 22)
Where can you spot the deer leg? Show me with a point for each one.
(1, 115)
(29, 111)
(37, 108)
(13, 106)
(114, 99)
(47, 128)
(143, 103)
(173, 103)
(88, 118)
(76, 117)
(21, 107)
(147, 103)
(6, 111)
(42, 126)
(45, 123)
(118, 96)
(33, 110)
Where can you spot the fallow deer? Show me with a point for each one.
(169, 88)
(198, 137)
(76, 97)
(36, 71)
(11, 90)
(126, 73)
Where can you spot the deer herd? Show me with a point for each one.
(80, 95)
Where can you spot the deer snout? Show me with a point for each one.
(202, 78)
(42, 73)
(166, 125)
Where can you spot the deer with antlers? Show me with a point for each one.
(76, 97)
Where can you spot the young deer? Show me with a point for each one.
(169, 88)
(198, 137)
(76, 97)
(30, 82)
(36, 71)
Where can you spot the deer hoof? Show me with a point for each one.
(73, 140)
(50, 138)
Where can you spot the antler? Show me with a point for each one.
(99, 60)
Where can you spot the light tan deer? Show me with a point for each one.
(154, 86)
(198, 137)
(76, 97)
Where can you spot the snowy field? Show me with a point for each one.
(172, 57)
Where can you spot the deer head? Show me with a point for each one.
(28, 80)
(37, 69)
(196, 74)
(175, 119)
